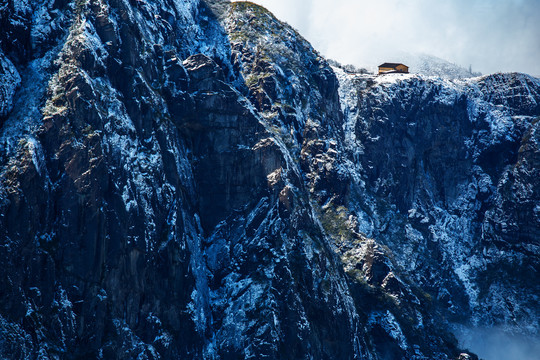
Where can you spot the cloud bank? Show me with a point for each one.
(489, 35)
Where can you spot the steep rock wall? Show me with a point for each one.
(180, 179)
(445, 178)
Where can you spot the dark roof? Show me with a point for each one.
(391, 65)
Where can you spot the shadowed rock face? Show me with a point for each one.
(148, 210)
(447, 184)
(185, 179)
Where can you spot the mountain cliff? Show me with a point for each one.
(191, 179)
(447, 178)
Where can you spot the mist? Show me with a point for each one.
(488, 35)
(496, 344)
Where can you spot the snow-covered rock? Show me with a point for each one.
(191, 179)
(438, 159)
(9, 81)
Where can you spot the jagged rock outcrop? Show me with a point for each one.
(447, 181)
(190, 179)
(147, 209)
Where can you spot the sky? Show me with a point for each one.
(488, 35)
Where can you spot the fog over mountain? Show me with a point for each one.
(491, 36)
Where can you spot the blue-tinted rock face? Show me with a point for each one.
(448, 184)
(186, 179)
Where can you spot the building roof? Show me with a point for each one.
(391, 65)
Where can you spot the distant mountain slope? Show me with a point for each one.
(430, 65)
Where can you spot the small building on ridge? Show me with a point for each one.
(392, 68)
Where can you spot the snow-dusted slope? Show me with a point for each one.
(9, 81)
(160, 187)
(190, 179)
(446, 176)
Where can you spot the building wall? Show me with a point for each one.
(384, 69)
(401, 68)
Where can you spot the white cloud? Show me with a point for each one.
(490, 35)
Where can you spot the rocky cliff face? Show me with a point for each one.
(186, 179)
(447, 180)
